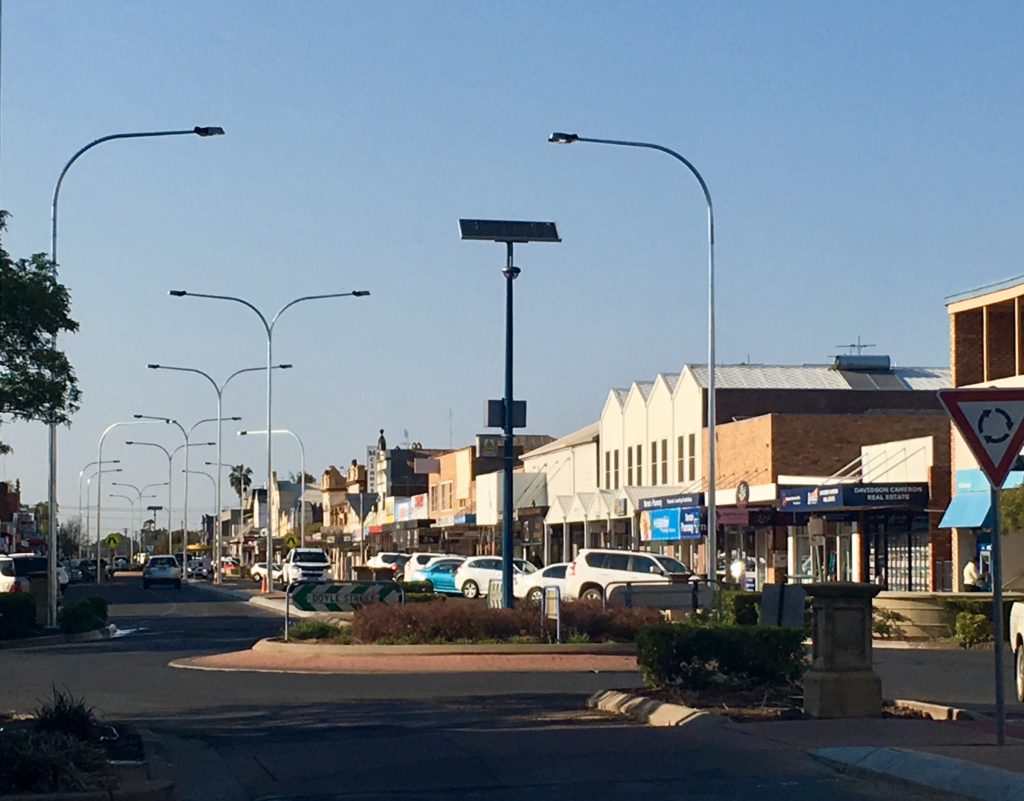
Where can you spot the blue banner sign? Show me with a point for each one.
(671, 501)
(853, 496)
(672, 524)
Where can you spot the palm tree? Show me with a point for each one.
(241, 479)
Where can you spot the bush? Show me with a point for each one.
(417, 586)
(66, 714)
(972, 629)
(982, 605)
(80, 616)
(17, 615)
(319, 630)
(740, 608)
(693, 656)
(424, 597)
(615, 624)
(886, 622)
(442, 622)
(51, 762)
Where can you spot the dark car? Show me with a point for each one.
(88, 568)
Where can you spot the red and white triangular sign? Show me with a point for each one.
(991, 422)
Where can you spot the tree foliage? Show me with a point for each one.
(1011, 509)
(37, 381)
(241, 479)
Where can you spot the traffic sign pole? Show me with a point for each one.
(997, 617)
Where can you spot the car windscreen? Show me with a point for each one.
(32, 564)
(6, 567)
(524, 566)
(672, 565)
(311, 556)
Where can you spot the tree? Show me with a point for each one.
(241, 479)
(37, 381)
(294, 478)
(70, 538)
(1011, 509)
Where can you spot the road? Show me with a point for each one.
(242, 736)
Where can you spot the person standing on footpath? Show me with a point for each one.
(971, 577)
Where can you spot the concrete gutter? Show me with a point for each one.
(939, 711)
(58, 639)
(277, 646)
(650, 711)
(141, 791)
(944, 774)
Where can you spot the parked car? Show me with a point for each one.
(475, 574)
(10, 581)
(259, 570)
(531, 585)
(1017, 644)
(306, 564)
(74, 571)
(420, 559)
(161, 570)
(26, 564)
(120, 563)
(590, 573)
(197, 568)
(392, 560)
(440, 573)
(88, 568)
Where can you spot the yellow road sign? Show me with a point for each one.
(112, 541)
(291, 541)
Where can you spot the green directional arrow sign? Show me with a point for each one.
(343, 597)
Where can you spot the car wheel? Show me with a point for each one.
(592, 594)
(471, 589)
(177, 584)
(257, 579)
(429, 587)
(1020, 673)
(535, 595)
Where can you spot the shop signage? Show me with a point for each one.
(672, 524)
(846, 496)
(671, 501)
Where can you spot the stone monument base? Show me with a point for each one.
(842, 694)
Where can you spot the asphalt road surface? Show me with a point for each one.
(235, 736)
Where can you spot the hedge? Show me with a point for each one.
(85, 615)
(982, 605)
(693, 656)
(17, 615)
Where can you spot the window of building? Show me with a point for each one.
(434, 503)
(640, 465)
(446, 494)
(629, 466)
(680, 460)
(607, 469)
(615, 468)
(654, 463)
(693, 456)
(664, 461)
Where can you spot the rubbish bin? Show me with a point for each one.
(37, 584)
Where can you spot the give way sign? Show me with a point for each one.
(991, 422)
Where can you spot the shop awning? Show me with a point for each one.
(968, 510)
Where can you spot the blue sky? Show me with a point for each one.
(865, 161)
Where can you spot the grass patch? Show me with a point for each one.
(66, 714)
(320, 630)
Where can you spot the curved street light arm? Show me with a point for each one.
(356, 293)
(180, 293)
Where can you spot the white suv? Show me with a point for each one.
(590, 573)
(306, 564)
(475, 574)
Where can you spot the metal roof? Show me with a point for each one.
(821, 376)
(985, 289)
(584, 435)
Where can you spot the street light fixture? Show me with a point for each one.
(139, 493)
(268, 327)
(219, 389)
(570, 138)
(85, 523)
(510, 415)
(198, 130)
(302, 476)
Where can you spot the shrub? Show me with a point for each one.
(417, 586)
(80, 616)
(442, 622)
(423, 597)
(17, 615)
(99, 607)
(615, 624)
(693, 655)
(972, 629)
(886, 622)
(982, 605)
(67, 715)
(318, 630)
(740, 608)
(51, 762)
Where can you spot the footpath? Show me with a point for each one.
(954, 753)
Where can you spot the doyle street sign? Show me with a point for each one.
(343, 597)
(991, 422)
(112, 541)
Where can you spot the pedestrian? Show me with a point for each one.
(971, 577)
(535, 559)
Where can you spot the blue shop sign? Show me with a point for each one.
(675, 524)
(671, 501)
(853, 496)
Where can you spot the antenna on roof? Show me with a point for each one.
(857, 346)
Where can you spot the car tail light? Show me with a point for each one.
(572, 568)
(16, 587)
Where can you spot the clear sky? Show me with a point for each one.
(865, 160)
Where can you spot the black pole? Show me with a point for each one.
(508, 600)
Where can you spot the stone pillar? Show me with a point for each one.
(841, 682)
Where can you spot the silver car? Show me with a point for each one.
(161, 570)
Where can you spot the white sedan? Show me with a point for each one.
(531, 585)
(474, 575)
(259, 570)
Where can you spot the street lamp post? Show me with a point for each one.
(88, 505)
(138, 493)
(199, 130)
(512, 414)
(212, 481)
(302, 476)
(219, 389)
(186, 435)
(84, 523)
(99, 486)
(568, 138)
(269, 329)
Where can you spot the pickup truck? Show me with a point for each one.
(306, 564)
(1017, 643)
